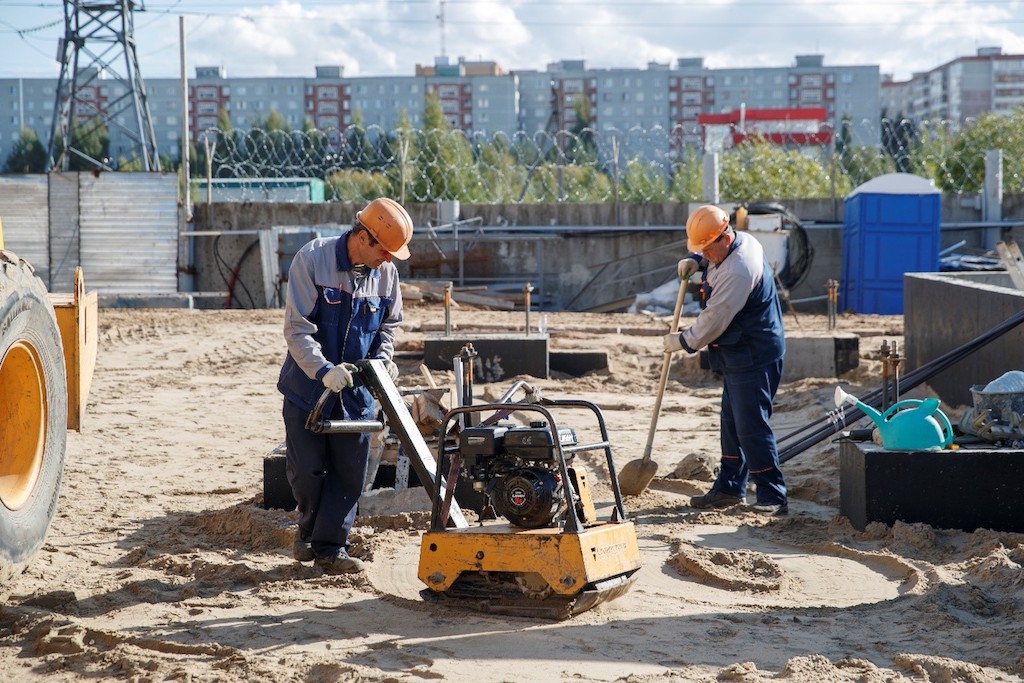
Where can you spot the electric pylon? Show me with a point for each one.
(100, 93)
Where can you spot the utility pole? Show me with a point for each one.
(100, 91)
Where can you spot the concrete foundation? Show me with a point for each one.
(965, 489)
(942, 311)
(499, 356)
(815, 355)
(820, 355)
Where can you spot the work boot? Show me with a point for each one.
(302, 551)
(715, 499)
(339, 563)
(773, 509)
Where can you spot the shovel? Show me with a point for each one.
(637, 474)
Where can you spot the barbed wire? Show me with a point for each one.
(636, 165)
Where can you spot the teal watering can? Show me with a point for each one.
(909, 425)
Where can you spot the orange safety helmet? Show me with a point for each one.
(389, 223)
(704, 226)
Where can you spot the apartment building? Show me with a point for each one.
(481, 98)
(959, 90)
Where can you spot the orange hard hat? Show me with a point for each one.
(390, 224)
(704, 226)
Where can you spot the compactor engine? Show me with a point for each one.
(517, 467)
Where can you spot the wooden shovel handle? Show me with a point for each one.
(664, 374)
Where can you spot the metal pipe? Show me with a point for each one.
(348, 426)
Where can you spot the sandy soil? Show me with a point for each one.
(162, 564)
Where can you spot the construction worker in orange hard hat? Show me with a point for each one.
(343, 305)
(741, 325)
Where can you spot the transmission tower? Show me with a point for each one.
(100, 89)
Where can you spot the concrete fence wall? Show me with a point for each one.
(573, 252)
(943, 311)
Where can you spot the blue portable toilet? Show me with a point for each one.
(890, 227)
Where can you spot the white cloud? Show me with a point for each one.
(382, 37)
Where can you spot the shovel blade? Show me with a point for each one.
(636, 476)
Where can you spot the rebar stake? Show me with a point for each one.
(448, 309)
(527, 289)
(885, 374)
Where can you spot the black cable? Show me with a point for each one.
(235, 279)
(228, 273)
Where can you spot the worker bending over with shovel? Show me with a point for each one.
(344, 304)
(741, 324)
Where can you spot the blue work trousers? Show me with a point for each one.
(326, 473)
(748, 442)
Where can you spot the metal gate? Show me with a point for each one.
(128, 232)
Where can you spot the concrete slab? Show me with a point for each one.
(938, 488)
(820, 354)
(815, 354)
(499, 356)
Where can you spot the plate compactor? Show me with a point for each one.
(539, 548)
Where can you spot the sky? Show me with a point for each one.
(389, 38)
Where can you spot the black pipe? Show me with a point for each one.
(910, 381)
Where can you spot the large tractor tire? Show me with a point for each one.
(33, 415)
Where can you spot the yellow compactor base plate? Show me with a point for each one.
(549, 573)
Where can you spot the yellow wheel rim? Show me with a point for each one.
(23, 418)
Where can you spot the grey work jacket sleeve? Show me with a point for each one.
(298, 330)
(731, 285)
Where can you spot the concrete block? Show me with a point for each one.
(577, 363)
(277, 492)
(498, 356)
(820, 354)
(967, 489)
(810, 354)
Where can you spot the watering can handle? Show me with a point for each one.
(905, 403)
(917, 402)
(948, 441)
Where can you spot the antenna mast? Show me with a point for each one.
(440, 21)
(100, 90)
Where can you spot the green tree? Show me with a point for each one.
(357, 186)
(642, 183)
(581, 146)
(957, 163)
(28, 154)
(443, 160)
(358, 151)
(92, 142)
(757, 170)
(554, 183)
(898, 136)
(688, 177)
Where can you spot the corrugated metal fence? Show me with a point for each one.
(122, 228)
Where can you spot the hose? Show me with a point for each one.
(800, 251)
(837, 420)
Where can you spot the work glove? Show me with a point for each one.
(672, 342)
(339, 377)
(686, 268)
(392, 369)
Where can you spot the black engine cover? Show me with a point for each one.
(530, 497)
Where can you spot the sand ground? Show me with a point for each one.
(162, 563)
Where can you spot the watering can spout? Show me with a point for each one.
(842, 397)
